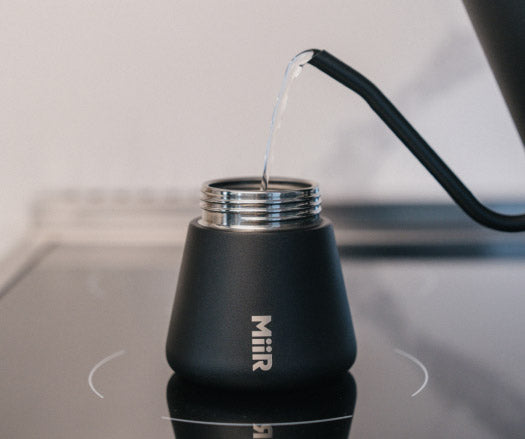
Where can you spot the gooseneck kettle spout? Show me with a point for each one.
(391, 116)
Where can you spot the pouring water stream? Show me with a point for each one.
(293, 70)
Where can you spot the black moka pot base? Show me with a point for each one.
(261, 310)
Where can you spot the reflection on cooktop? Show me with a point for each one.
(200, 412)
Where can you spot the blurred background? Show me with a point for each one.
(133, 99)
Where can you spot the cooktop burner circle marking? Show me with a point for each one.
(420, 364)
(273, 424)
(100, 363)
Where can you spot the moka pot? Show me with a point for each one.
(260, 302)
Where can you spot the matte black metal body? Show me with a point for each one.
(227, 277)
(500, 26)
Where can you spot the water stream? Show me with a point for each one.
(293, 70)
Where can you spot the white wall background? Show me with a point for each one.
(162, 94)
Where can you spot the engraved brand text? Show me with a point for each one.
(262, 344)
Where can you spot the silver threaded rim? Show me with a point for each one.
(239, 204)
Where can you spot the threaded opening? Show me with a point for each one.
(238, 203)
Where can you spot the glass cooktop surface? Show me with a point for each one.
(440, 353)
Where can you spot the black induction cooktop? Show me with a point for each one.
(440, 350)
